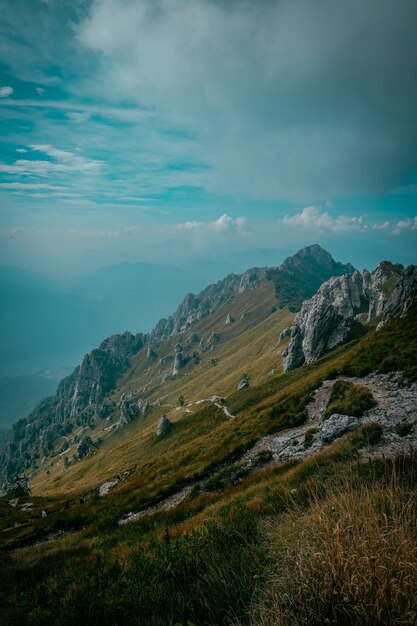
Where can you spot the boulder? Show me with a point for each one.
(164, 426)
(336, 426)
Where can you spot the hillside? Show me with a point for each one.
(251, 457)
(178, 344)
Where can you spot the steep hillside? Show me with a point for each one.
(251, 459)
(202, 325)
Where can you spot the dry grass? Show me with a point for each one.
(351, 559)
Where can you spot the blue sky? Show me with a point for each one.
(171, 130)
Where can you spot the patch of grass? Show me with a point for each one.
(392, 348)
(348, 398)
(309, 437)
(404, 428)
(349, 559)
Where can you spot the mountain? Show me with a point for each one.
(101, 368)
(188, 453)
(301, 275)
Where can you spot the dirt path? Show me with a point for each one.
(395, 403)
(165, 505)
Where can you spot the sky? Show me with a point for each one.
(173, 130)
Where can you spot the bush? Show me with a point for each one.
(404, 428)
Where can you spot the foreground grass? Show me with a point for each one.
(350, 559)
(322, 541)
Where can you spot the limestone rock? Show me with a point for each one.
(330, 317)
(337, 425)
(128, 410)
(242, 384)
(164, 426)
(402, 295)
(19, 487)
(84, 448)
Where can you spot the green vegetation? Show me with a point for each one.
(393, 348)
(404, 428)
(349, 399)
(309, 437)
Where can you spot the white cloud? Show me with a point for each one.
(223, 224)
(6, 91)
(78, 118)
(40, 91)
(312, 217)
(29, 186)
(22, 150)
(404, 225)
(64, 161)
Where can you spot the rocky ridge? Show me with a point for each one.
(342, 304)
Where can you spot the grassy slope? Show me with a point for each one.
(249, 344)
(196, 547)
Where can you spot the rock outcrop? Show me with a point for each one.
(402, 295)
(164, 426)
(342, 304)
(195, 307)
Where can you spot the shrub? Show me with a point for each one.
(309, 437)
(403, 429)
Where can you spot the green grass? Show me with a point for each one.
(348, 398)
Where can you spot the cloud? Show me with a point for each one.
(78, 118)
(405, 225)
(312, 217)
(64, 162)
(6, 91)
(40, 91)
(223, 224)
(293, 100)
(22, 150)
(29, 186)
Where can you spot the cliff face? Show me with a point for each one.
(335, 312)
(79, 396)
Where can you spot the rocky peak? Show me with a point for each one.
(300, 275)
(195, 307)
(330, 317)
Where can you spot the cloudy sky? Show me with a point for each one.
(168, 130)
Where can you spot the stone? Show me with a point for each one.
(229, 319)
(164, 426)
(332, 315)
(336, 426)
(243, 384)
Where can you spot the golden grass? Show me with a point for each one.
(350, 559)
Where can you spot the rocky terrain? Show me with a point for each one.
(342, 305)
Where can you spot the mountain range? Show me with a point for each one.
(250, 396)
